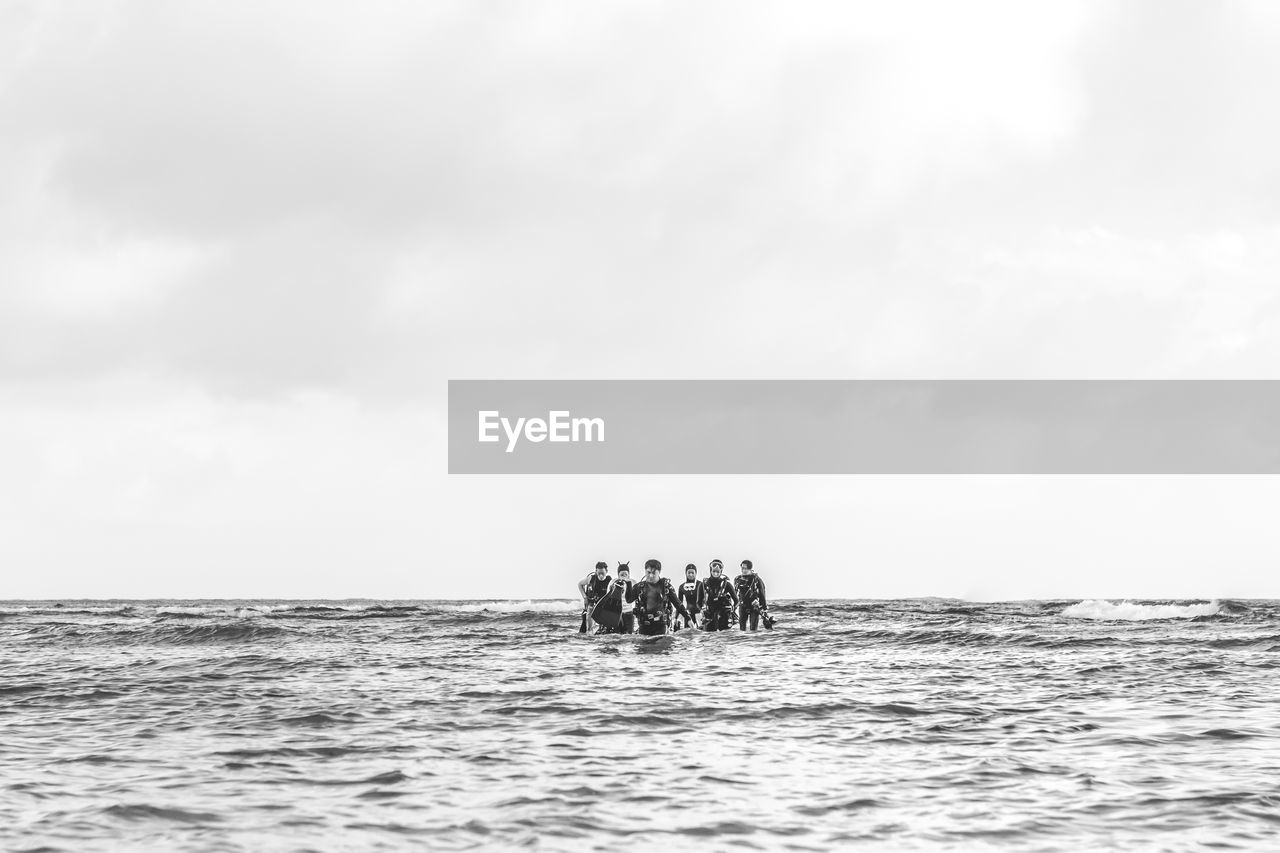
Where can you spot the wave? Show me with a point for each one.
(159, 633)
(565, 605)
(178, 610)
(380, 611)
(198, 634)
(1098, 608)
(143, 811)
(374, 611)
(60, 610)
(197, 611)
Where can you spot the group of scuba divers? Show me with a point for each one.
(659, 606)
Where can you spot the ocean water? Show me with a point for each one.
(889, 725)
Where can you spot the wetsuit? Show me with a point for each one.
(751, 600)
(693, 595)
(652, 598)
(721, 598)
(596, 589)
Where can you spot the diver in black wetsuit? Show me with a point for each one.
(721, 599)
(624, 581)
(652, 596)
(592, 588)
(751, 599)
(693, 595)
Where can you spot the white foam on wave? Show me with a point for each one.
(527, 606)
(1098, 608)
(59, 610)
(217, 610)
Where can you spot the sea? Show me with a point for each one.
(928, 724)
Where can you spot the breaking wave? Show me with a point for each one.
(1132, 612)
(527, 606)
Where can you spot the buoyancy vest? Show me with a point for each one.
(693, 595)
(718, 590)
(748, 588)
(596, 588)
(641, 592)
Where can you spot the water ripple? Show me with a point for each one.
(906, 725)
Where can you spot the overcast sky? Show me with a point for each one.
(246, 244)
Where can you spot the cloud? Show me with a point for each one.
(280, 198)
(285, 189)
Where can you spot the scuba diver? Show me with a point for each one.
(751, 599)
(721, 599)
(652, 595)
(628, 625)
(592, 588)
(693, 595)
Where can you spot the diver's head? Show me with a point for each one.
(691, 571)
(652, 568)
(746, 567)
(717, 568)
(602, 569)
